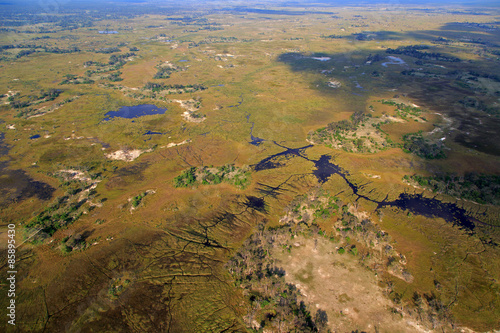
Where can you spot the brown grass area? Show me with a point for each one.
(335, 283)
(138, 72)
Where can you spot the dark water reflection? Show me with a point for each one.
(137, 111)
(16, 185)
(415, 203)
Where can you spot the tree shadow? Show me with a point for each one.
(434, 73)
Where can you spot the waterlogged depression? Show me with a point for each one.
(414, 203)
(137, 111)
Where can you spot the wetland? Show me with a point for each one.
(192, 167)
(137, 111)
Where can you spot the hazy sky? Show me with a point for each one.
(55, 3)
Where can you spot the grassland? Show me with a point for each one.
(114, 235)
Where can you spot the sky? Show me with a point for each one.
(254, 4)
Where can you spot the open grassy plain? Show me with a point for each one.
(273, 194)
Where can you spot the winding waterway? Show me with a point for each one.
(254, 140)
(415, 203)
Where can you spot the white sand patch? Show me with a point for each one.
(12, 127)
(72, 174)
(76, 175)
(394, 61)
(321, 58)
(167, 64)
(372, 176)
(74, 137)
(189, 105)
(334, 84)
(394, 119)
(361, 215)
(11, 93)
(126, 155)
(173, 144)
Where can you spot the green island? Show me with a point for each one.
(239, 177)
(481, 188)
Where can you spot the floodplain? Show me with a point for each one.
(292, 168)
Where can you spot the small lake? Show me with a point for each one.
(137, 111)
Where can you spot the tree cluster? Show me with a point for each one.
(414, 51)
(415, 143)
(274, 303)
(229, 173)
(481, 188)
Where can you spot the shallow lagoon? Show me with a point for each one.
(135, 111)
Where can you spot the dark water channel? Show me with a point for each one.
(254, 140)
(16, 185)
(415, 203)
(237, 104)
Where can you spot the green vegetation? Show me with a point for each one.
(403, 110)
(332, 36)
(17, 101)
(343, 134)
(58, 215)
(416, 143)
(68, 208)
(174, 88)
(164, 73)
(255, 81)
(74, 79)
(137, 199)
(414, 51)
(77, 242)
(107, 50)
(274, 302)
(481, 188)
(117, 287)
(364, 134)
(239, 177)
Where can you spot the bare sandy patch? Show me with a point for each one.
(76, 175)
(191, 106)
(173, 144)
(338, 285)
(127, 155)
